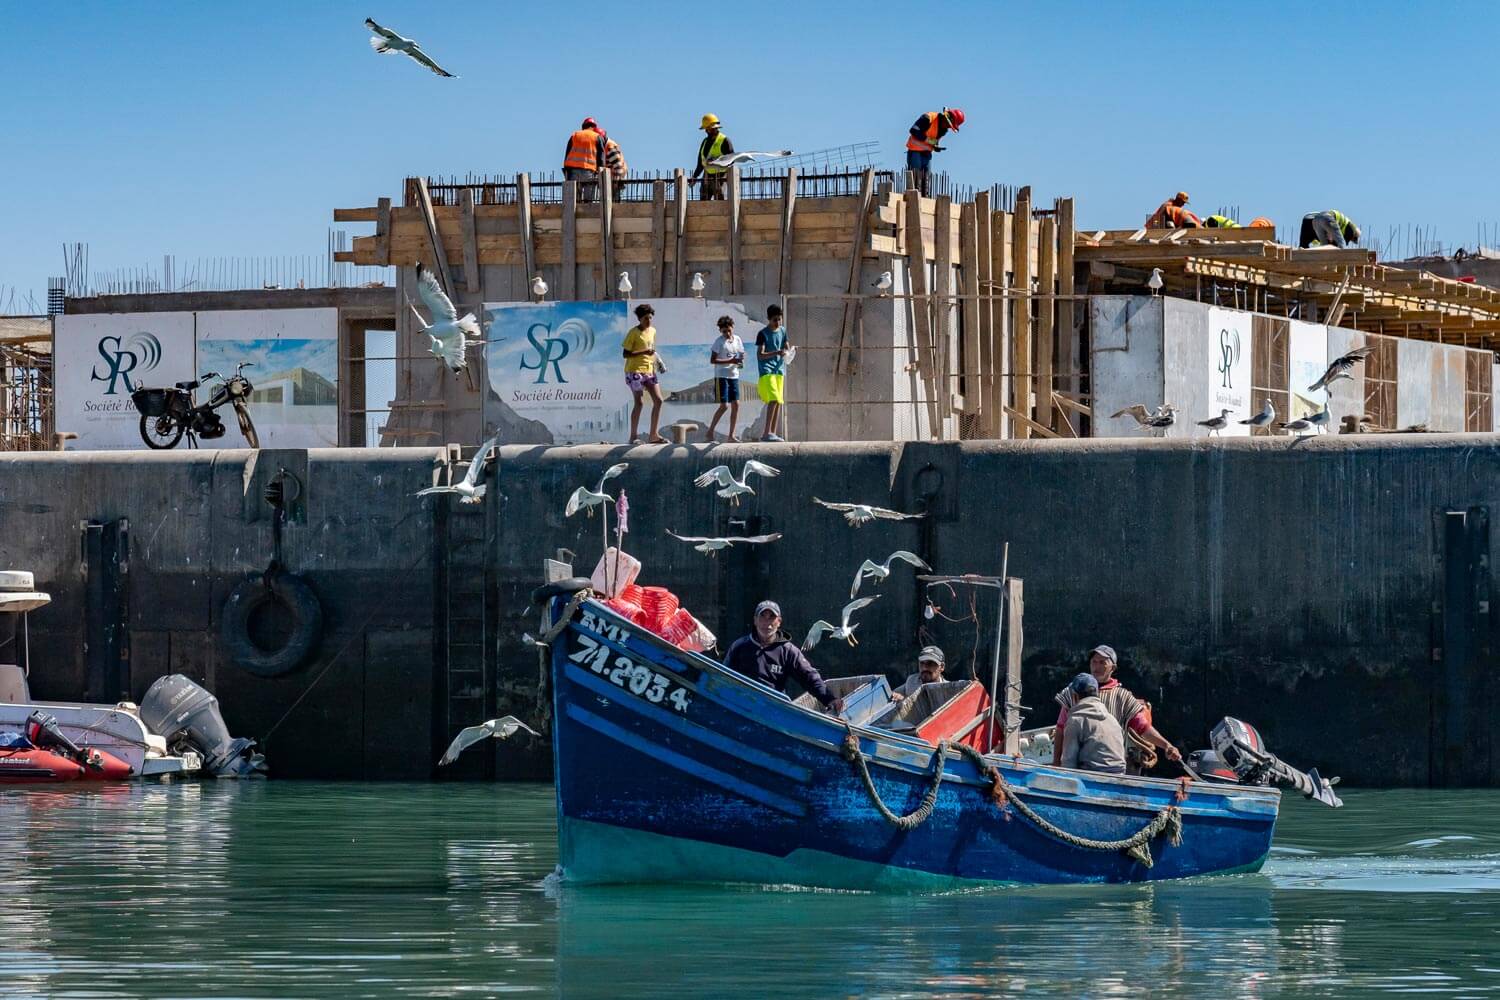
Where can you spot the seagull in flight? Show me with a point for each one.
(1265, 416)
(1340, 367)
(497, 728)
(845, 630)
(472, 488)
(859, 514)
(713, 545)
(387, 42)
(1163, 416)
(449, 334)
(749, 156)
(732, 489)
(1216, 424)
(879, 571)
(584, 498)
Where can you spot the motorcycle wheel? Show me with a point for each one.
(160, 432)
(247, 427)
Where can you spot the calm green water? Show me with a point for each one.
(306, 890)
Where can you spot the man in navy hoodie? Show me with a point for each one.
(770, 656)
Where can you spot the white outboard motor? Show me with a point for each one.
(181, 712)
(1238, 749)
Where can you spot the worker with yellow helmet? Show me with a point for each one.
(715, 144)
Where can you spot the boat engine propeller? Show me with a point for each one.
(1239, 756)
(185, 715)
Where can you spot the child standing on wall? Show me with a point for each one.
(641, 366)
(770, 354)
(726, 355)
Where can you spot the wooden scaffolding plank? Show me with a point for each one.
(985, 279)
(1000, 236)
(607, 234)
(680, 205)
(788, 208)
(524, 225)
(942, 300)
(383, 231)
(569, 290)
(658, 238)
(968, 270)
(929, 370)
(734, 231)
(1072, 350)
(434, 241)
(1021, 371)
(845, 358)
(1046, 340)
(473, 283)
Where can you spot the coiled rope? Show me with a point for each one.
(917, 816)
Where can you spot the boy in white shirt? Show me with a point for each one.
(726, 355)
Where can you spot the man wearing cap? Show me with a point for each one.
(1092, 739)
(1173, 214)
(929, 671)
(770, 656)
(584, 157)
(1128, 710)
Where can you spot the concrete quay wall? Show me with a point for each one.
(1333, 592)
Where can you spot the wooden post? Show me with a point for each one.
(569, 290)
(1072, 351)
(471, 240)
(734, 231)
(1000, 263)
(524, 226)
(659, 238)
(1046, 344)
(788, 207)
(607, 233)
(1021, 374)
(928, 370)
(679, 195)
(984, 249)
(434, 240)
(856, 260)
(942, 300)
(1015, 612)
(968, 268)
(383, 231)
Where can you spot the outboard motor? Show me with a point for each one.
(181, 712)
(1240, 756)
(44, 733)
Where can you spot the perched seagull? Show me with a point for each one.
(472, 488)
(1154, 282)
(1265, 416)
(1216, 424)
(712, 545)
(387, 42)
(862, 513)
(845, 631)
(1296, 426)
(886, 282)
(1320, 419)
(732, 488)
(584, 498)
(625, 286)
(878, 573)
(449, 334)
(1340, 368)
(496, 728)
(734, 159)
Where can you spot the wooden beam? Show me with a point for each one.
(842, 359)
(942, 300)
(1072, 353)
(734, 231)
(356, 214)
(569, 290)
(788, 208)
(928, 369)
(1029, 424)
(1015, 642)
(383, 231)
(985, 281)
(1021, 374)
(525, 227)
(434, 240)
(472, 280)
(659, 238)
(968, 271)
(1000, 248)
(607, 233)
(1046, 340)
(679, 262)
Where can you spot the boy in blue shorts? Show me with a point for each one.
(770, 355)
(726, 356)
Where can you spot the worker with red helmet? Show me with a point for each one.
(584, 157)
(1174, 214)
(923, 142)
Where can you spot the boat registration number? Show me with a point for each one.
(623, 672)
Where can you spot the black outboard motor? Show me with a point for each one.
(45, 734)
(181, 712)
(1240, 756)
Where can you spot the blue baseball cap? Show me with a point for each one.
(768, 606)
(1084, 686)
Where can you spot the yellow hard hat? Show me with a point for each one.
(1182, 198)
(709, 121)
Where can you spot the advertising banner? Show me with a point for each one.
(99, 360)
(295, 354)
(1229, 339)
(560, 363)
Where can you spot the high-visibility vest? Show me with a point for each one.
(712, 148)
(1221, 222)
(615, 159)
(1345, 223)
(916, 145)
(583, 150)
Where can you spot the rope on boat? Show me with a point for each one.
(917, 816)
(1137, 846)
(555, 629)
(543, 648)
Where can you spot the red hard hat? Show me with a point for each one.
(955, 117)
(589, 123)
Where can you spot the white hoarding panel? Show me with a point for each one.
(100, 360)
(295, 354)
(1228, 343)
(1307, 357)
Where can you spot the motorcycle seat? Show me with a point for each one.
(188, 386)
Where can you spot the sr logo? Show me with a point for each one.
(1229, 355)
(572, 337)
(140, 352)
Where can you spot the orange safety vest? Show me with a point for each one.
(583, 150)
(917, 145)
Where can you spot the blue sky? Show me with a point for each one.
(204, 129)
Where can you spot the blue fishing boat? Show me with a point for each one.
(671, 767)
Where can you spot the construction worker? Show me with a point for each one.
(1261, 222)
(1221, 222)
(922, 142)
(1173, 214)
(1331, 226)
(584, 158)
(614, 159)
(715, 144)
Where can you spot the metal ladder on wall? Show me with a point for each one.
(469, 689)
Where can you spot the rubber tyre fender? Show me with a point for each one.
(562, 588)
(296, 595)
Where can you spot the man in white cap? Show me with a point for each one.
(1128, 710)
(771, 657)
(929, 671)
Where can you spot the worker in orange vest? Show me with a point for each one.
(1173, 214)
(922, 142)
(584, 158)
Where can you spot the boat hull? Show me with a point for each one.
(671, 768)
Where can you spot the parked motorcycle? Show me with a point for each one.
(168, 414)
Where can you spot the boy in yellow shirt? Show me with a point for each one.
(641, 366)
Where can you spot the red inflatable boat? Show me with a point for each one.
(33, 766)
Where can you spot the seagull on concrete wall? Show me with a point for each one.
(1265, 416)
(1340, 367)
(1216, 424)
(1148, 418)
(879, 572)
(472, 487)
(731, 488)
(387, 42)
(859, 514)
(1296, 426)
(494, 729)
(1320, 419)
(713, 545)
(845, 630)
(584, 498)
(449, 334)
